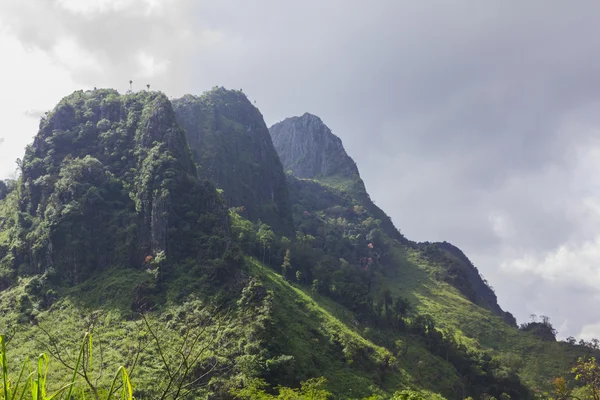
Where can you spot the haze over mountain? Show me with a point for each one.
(471, 124)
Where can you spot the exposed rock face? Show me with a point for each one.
(309, 150)
(110, 180)
(231, 143)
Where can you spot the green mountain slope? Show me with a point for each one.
(116, 227)
(306, 145)
(436, 278)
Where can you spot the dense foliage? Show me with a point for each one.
(109, 180)
(270, 286)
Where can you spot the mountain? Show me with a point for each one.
(311, 153)
(309, 150)
(170, 233)
(110, 180)
(230, 141)
(329, 201)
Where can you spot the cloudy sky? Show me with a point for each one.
(472, 122)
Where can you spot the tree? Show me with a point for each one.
(315, 287)
(401, 308)
(3, 190)
(587, 371)
(243, 231)
(387, 304)
(299, 277)
(542, 327)
(266, 238)
(287, 265)
(130, 85)
(312, 389)
(560, 389)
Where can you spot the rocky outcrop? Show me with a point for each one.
(309, 150)
(231, 143)
(110, 180)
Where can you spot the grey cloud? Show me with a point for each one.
(113, 37)
(453, 111)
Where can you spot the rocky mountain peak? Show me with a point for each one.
(309, 149)
(110, 180)
(231, 143)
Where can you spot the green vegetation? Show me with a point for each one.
(301, 289)
(34, 385)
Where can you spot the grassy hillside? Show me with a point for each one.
(535, 360)
(308, 336)
(412, 272)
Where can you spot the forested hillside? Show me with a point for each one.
(212, 257)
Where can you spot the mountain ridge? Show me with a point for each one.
(230, 142)
(309, 150)
(117, 213)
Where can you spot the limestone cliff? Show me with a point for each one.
(231, 143)
(309, 150)
(109, 180)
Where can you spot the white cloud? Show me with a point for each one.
(30, 80)
(591, 331)
(568, 262)
(90, 7)
(501, 224)
(73, 57)
(150, 66)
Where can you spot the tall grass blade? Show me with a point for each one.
(16, 389)
(127, 389)
(27, 383)
(4, 366)
(114, 382)
(90, 364)
(59, 391)
(35, 385)
(46, 361)
(127, 392)
(38, 389)
(79, 357)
